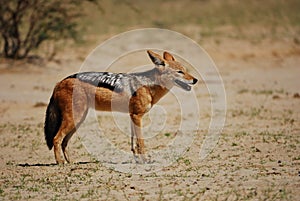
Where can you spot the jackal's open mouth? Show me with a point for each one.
(183, 85)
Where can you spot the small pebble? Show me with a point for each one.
(296, 95)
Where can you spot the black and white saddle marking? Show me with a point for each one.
(118, 82)
(112, 81)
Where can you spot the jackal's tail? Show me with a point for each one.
(52, 122)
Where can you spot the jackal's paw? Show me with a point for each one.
(60, 162)
(141, 158)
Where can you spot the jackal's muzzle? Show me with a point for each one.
(184, 85)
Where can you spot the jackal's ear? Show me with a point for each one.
(168, 56)
(156, 58)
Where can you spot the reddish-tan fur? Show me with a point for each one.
(72, 98)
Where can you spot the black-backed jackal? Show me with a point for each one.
(133, 93)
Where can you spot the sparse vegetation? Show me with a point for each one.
(205, 19)
(26, 25)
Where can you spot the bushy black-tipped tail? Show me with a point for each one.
(52, 122)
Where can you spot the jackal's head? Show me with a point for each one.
(171, 71)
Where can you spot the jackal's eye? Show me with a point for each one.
(181, 72)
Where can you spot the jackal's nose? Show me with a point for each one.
(195, 81)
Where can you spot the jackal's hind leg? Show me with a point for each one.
(65, 144)
(61, 139)
(57, 147)
(80, 113)
(65, 129)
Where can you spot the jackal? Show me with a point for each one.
(133, 93)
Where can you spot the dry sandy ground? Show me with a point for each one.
(257, 156)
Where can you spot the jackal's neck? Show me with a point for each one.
(157, 89)
(152, 80)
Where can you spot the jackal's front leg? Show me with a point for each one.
(139, 151)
